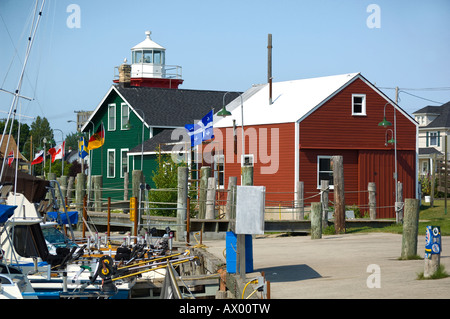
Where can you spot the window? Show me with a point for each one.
(123, 161)
(111, 117)
(157, 57)
(125, 116)
(219, 170)
(358, 104)
(433, 139)
(324, 170)
(137, 57)
(111, 163)
(148, 56)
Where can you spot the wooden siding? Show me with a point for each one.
(275, 171)
(333, 130)
(332, 126)
(118, 139)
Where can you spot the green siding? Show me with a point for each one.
(119, 139)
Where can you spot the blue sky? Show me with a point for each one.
(222, 45)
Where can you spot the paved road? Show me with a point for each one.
(337, 267)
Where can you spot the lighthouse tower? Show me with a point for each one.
(148, 67)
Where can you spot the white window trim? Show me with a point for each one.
(217, 158)
(109, 116)
(122, 124)
(318, 171)
(110, 150)
(363, 106)
(121, 161)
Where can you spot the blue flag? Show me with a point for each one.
(82, 147)
(202, 130)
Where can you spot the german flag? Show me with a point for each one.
(97, 139)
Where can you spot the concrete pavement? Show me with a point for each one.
(342, 266)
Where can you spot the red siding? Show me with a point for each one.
(280, 181)
(332, 130)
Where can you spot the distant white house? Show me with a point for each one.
(434, 125)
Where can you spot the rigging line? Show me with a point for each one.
(417, 89)
(12, 42)
(19, 85)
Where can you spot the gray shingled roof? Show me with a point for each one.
(173, 107)
(442, 120)
(160, 140)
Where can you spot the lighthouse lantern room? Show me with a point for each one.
(148, 67)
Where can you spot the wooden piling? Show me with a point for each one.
(339, 198)
(316, 220)
(299, 201)
(324, 198)
(183, 174)
(232, 181)
(410, 229)
(97, 182)
(205, 173)
(372, 200)
(80, 191)
(211, 199)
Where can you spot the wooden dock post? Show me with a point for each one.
(183, 174)
(97, 182)
(399, 205)
(299, 202)
(324, 198)
(316, 220)
(339, 198)
(80, 191)
(372, 188)
(205, 173)
(211, 199)
(232, 181)
(410, 228)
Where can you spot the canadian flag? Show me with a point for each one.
(57, 152)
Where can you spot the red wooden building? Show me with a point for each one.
(293, 136)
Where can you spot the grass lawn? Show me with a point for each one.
(429, 216)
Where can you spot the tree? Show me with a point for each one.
(166, 177)
(40, 128)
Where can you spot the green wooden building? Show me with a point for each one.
(135, 115)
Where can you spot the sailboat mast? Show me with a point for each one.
(13, 107)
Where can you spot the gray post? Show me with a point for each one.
(232, 181)
(211, 199)
(97, 182)
(372, 200)
(316, 220)
(63, 183)
(182, 202)
(205, 173)
(299, 202)
(399, 203)
(137, 178)
(339, 198)
(324, 200)
(247, 175)
(126, 181)
(432, 265)
(80, 191)
(410, 228)
(70, 189)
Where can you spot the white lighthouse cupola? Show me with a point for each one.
(148, 66)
